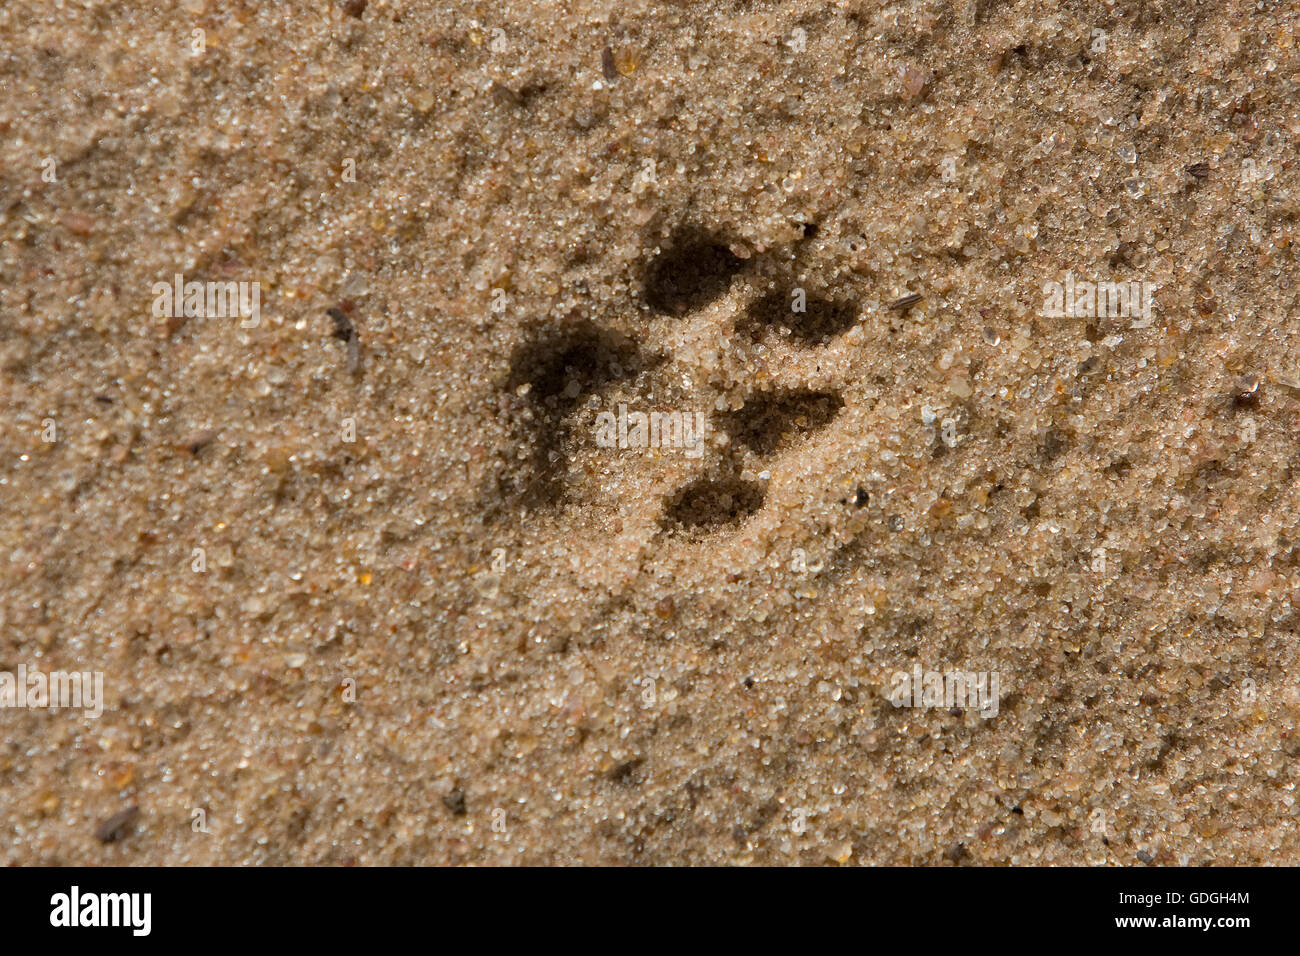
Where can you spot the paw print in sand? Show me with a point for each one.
(584, 396)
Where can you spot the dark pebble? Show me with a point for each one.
(904, 303)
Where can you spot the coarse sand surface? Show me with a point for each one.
(623, 399)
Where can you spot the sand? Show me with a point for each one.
(362, 583)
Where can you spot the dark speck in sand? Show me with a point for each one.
(625, 774)
(345, 331)
(455, 802)
(199, 440)
(117, 826)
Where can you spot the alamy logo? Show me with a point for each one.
(683, 430)
(976, 690)
(103, 909)
(54, 690)
(208, 300)
(1093, 300)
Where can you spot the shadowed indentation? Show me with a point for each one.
(565, 363)
(694, 268)
(712, 502)
(549, 376)
(811, 321)
(770, 421)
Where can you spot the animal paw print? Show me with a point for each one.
(712, 310)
